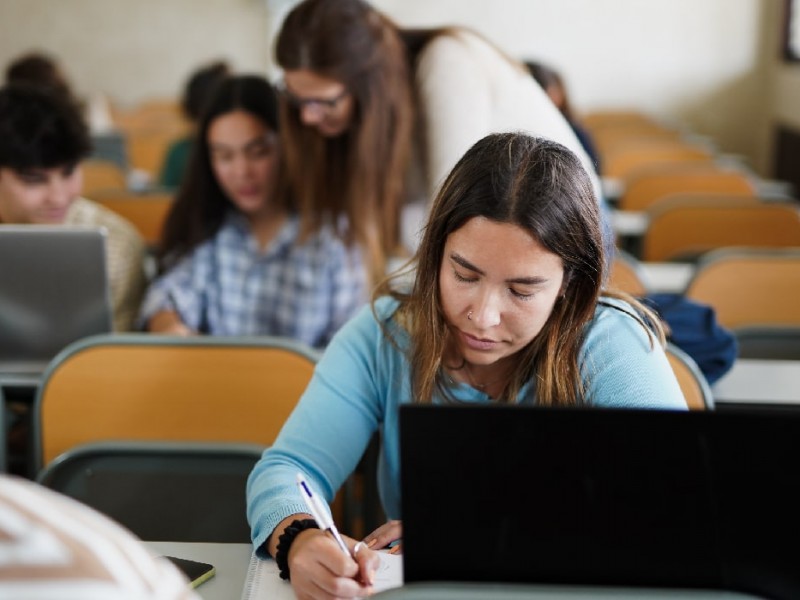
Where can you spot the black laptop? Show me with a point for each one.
(53, 291)
(602, 497)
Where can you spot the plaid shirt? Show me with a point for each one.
(228, 286)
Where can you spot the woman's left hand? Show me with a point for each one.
(384, 535)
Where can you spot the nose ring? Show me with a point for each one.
(469, 315)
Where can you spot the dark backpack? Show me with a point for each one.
(694, 329)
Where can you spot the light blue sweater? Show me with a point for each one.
(362, 379)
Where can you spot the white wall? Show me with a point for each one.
(699, 61)
(138, 49)
(706, 62)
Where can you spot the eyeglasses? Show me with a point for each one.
(322, 104)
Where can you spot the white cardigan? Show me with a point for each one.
(466, 89)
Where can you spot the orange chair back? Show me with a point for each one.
(624, 276)
(100, 175)
(750, 288)
(691, 380)
(648, 188)
(146, 212)
(690, 230)
(147, 387)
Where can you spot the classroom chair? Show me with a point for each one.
(152, 114)
(110, 146)
(686, 228)
(769, 342)
(100, 175)
(650, 186)
(619, 119)
(693, 383)
(162, 491)
(150, 128)
(627, 275)
(626, 162)
(148, 148)
(749, 287)
(145, 387)
(163, 388)
(146, 211)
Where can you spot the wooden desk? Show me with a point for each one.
(753, 381)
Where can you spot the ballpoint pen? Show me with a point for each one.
(319, 512)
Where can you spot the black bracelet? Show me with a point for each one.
(285, 542)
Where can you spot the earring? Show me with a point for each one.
(469, 315)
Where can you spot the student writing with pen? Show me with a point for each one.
(507, 306)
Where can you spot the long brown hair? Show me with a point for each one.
(540, 186)
(200, 205)
(361, 173)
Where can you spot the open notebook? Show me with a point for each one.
(263, 582)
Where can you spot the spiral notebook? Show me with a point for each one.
(263, 582)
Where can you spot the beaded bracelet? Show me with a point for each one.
(285, 542)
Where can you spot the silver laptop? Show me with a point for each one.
(53, 291)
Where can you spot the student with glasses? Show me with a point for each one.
(234, 259)
(374, 116)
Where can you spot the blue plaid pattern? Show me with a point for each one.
(302, 290)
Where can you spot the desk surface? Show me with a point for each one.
(753, 381)
(31, 380)
(480, 591)
(629, 223)
(232, 562)
(666, 277)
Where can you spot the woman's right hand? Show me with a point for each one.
(320, 570)
(168, 322)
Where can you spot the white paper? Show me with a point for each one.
(263, 582)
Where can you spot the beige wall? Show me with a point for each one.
(710, 63)
(698, 61)
(133, 50)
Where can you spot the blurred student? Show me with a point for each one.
(507, 307)
(553, 84)
(233, 257)
(196, 94)
(54, 548)
(39, 68)
(43, 140)
(374, 116)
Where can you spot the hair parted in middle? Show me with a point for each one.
(541, 187)
(360, 173)
(200, 205)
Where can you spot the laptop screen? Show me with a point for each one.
(53, 291)
(601, 497)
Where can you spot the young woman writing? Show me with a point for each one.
(506, 306)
